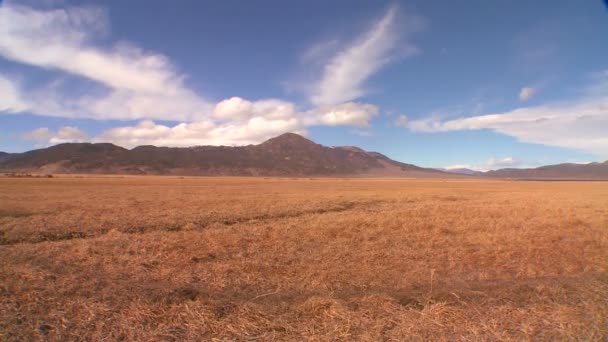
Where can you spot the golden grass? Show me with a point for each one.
(170, 258)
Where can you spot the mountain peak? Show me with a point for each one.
(288, 139)
(86, 147)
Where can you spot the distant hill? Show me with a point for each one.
(591, 171)
(463, 171)
(286, 155)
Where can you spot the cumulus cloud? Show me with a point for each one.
(147, 132)
(250, 122)
(578, 124)
(62, 135)
(236, 108)
(68, 134)
(344, 75)
(39, 134)
(526, 93)
(350, 113)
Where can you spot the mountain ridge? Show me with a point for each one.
(286, 155)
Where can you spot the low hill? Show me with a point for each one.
(463, 171)
(591, 171)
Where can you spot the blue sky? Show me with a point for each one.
(482, 84)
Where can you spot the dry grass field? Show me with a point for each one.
(170, 258)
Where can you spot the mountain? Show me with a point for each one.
(5, 156)
(591, 171)
(286, 155)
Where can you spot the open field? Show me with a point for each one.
(170, 258)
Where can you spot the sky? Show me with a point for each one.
(475, 83)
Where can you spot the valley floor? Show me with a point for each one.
(178, 258)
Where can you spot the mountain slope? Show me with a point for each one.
(591, 171)
(5, 156)
(286, 155)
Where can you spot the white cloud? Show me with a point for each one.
(526, 93)
(344, 75)
(317, 53)
(401, 121)
(63, 135)
(133, 84)
(39, 134)
(251, 122)
(68, 134)
(502, 162)
(490, 164)
(350, 113)
(10, 96)
(61, 39)
(460, 166)
(252, 131)
(274, 109)
(243, 122)
(121, 104)
(579, 124)
(236, 108)
(139, 83)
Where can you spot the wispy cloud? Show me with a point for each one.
(578, 124)
(11, 99)
(138, 83)
(344, 75)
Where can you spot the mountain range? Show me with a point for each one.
(286, 155)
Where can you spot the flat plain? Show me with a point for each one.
(173, 258)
